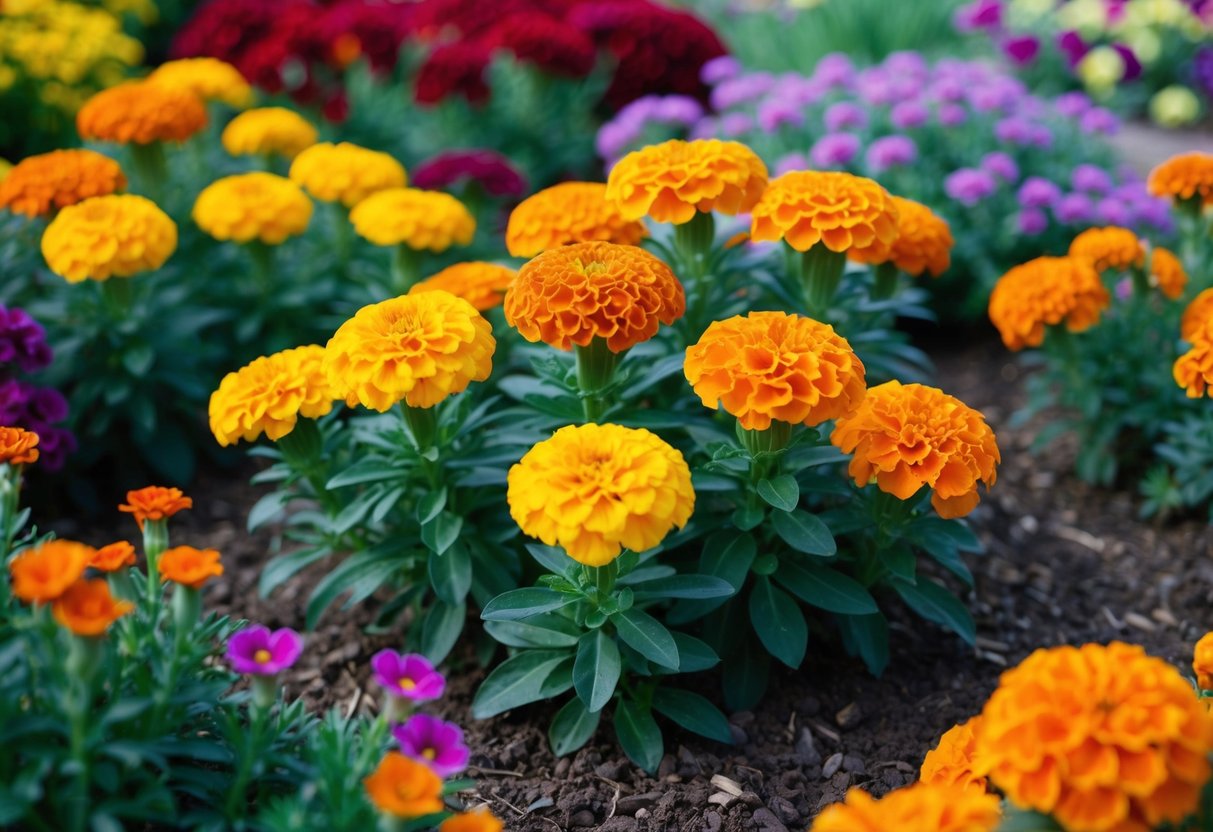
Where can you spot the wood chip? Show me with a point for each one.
(723, 799)
(826, 731)
(1080, 537)
(725, 784)
(990, 644)
(1112, 619)
(1164, 617)
(1139, 621)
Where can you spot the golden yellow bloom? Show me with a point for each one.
(573, 294)
(673, 180)
(1182, 177)
(253, 206)
(1109, 248)
(140, 112)
(1198, 312)
(595, 489)
(483, 285)
(189, 566)
(1100, 737)
(268, 130)
(906, 436)
(843, 212)
(1174, 106)
(88, 609)
(1202, 662)
(1167, 273)
(45, 572)
(108, 236)
(922, 807)
(18, 446)
(773, 366)
(345, 172)
(924, 241)
(420, 348)
(421, 220)
(208, 78)
(1045, 292)
(47, 182)
(571, 212)
(950, 763)
(1193, 370)
(1100, 69)
(269, 395)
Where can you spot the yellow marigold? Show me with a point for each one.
(268, 130)
(421, 220)
(573, 294)
(47, 182)
(1202, 662)
(208, 78)
(1198, 312)
(773, 366)
(420, 348)
(922, 807)
(1109, 248)
(1183, 177)
(1045, 292)
(1167, 273)
(269, 394)
(108, 236)
(88, 609)
(924, 241)
(45, 572)
(673, 180)
(477, 820)
(189, 566)
(113, 557)
(950, 763)
(595, 489)
(140, 112)
(155, 502)
(404, 788)
(1101, 738)
(18, 446)
(571, 212)
(843, 212)
(1193, 370)
(253, 206)
(345, 172)
(906, 436)
(483, 285)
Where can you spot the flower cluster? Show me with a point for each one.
(269, 395)
(486, 169)
(571, 212)
(141, 112)
(40, 185)
(345, 172)
(483, 285)
(1045, 292)
(844, 213)
(253, 206)
(934, 806)
(207, 78)
(268, 131)
(53, 573)
(108, 236)
(420, 220)
(40, 410)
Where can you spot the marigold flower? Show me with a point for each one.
(88, 609)
(1198, 312)
(345, 172)
(571, 212)
(1045, 292)
(923, 244)
(769, 366)
(141, 112)
(108, 236)
(113, 557)
(189, 566)
(18, 446)
(49, 181)
(906, 436)
(208, 78)
(269, 394)
(155, 502)
(421, 220)
(1183, 177)
(404, 788)
(920, 807)
(1202, 662)
(477, 820)
(253, 206)
(595, 489)
(1100, 737)
(483, 285)
(45, 572)
(573, 294)
(1193, 370)
(950, 762)
(1167, 273)
(673, 180)
(267, 130)
(1109, 248)
(420, 348)
(843, 212)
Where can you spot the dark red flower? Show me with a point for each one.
(454, 69)
(489, 169)
(546, 42)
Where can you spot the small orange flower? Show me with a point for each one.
(88, 609)
(1193, 370)
(843, 212)
(1184, 177)
(573, 294)
(44, 573)
(1198, 312)
(483, 285)
(404, 788)
(1045, 292)
(1167, 273)
(571, 212)
(922, 807)
(141, 112)
(1202, 662)
(155, 503)
(18, 446)
(924, 241)
(476, 820)
(113, 557)
(774, 366)
(47, 182)
(950, 763)
(189, 566)
(1109, 248)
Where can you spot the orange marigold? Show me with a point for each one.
(18, 446)
(119, 235)
(1183, 177)
(345, 172)
(49, 181)
(1193, 370)
(906, 436)
(1045, 292)
(843, 212)
(573, 294)
(113, 557)
(45, 572)
(1109, 248)
(483, 285)
(88, 609)
(924, 241)
(421, 220)
(476, 820)
(673, 180)
(774, 366)
(1167, 273)
(141, 112)
(404, 788)
(1202, 662)
(269, 394)
(189, 566)
(950, 762)
(922, 807)
(155, 502)
(1101, 738)
(1198, 312)
(208, 78)
(571, 212)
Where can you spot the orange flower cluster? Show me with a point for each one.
(481, 284)
(906, 436)
(1198, 312)
(771, 366)
(88, 609)
(1202, 662)
(1045, 292)
(1184, 177)
(18, 446)
(404, 788)
(1100, 737)
(571, 212)
(141, 112)
(45, 572)
(950, 763)
(573, 294)
(113, 557)
(1167, 273)
(922, 807)
(1109, 248)
(189, 566)
(155, 503)
(843, 212)
(477, 820)
(1193, 370)
(924, 241)
(47, 182)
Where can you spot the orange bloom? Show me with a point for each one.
(1202, 662)
(1193, 370)
(774, 366)
(906, 436)
(950, 763)
(113, 557)
(41, 184)
(1045, 292)
(44, 573)
(1100, 737)
(1198, 312)
(141, 112)
(403, 787)
(573, 294)
(189, 566)
(483, 285)
(1167, 273)
(18, 446)
(477, 820)
(1184, 176)
(88, 609)
(845, 213)
(673, 180)
(155, 503)
(571, 212)
(922, 807)
(924, 241)
(1109, 248)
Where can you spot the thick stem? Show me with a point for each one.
(822, 273)
(886, 281)
(693, 242)
(405, 269)
(604, 578)
(595, 371)
(117, 295)
(10, 504)
(343, 233)
(155, 541)
(263, 267)
(151, 169)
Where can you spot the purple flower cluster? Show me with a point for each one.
(678, 113)
(23, 349)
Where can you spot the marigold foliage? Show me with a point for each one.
(571, 212)
(481, 284)
(1045, 292)
(155, 502)
(189, 566)
(208, 78)
(843, 212)
(922, 807)
(268, 130)
(345, 172)
(1198, 312)
(1183, 177)
(950, 762)
(108, 236)
(113, 557)
(88, 609)
(140, 112)
(1202, 662)
(45, 572)
(594, 490)
(269, 394)
(573, 294)
(18, 446)
(1167, 273)
(1109, 248)
(422, 220)
(1193, 370)
(404, 788)
(923, 244)
(42, 184)
(253, 206)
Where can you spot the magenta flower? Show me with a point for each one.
(1038, 192)
(409, 676)
(1073, 46)
(834, 70)
(436, 743)
(489, 169)
(969, 186)
(951, 115)
(22, 340)
(774, 113)
(719, 69)
(845, 116)
(909, 114)
(1099, 120)
(791, 162)
(258, 651)
(1000, 165)
(834, 150)
(1072, 209)
(890, 152)
(1032, 221)
(1021, 50)
(980, 14)
(1072, 104)
(1088, 177)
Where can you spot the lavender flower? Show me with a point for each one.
(1124, 289)
(951, 115)
(834, 150)
(875, 86)
(1202, 69)
(1072, 209)
(22, 340)
(1032, 221)
(889, 152)
(909, 114)
(677, 109)
(845, 116)
(259, 652)
(735, 124)
(969, 186)
(1013, 130)
(835, 70)
(1072, 104)
(408, 676)
(719, 69)
(1087, 177)
(906, 64)
(740, 90)
(1111, 211)
(947, 89)
(1099, 120)
(791, 162)
(436, 743)
(1000, 165)
(775, 113)
(613, 139)
(1038, 192)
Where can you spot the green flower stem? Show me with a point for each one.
(822, 274)
(263, 267)
(603, 578)
(10, 504)
(886, 281)
(303, 450)
(251, 750)
(117, 295)
(187, 609)
(391, 823)
(422, 423)
(155, 541)
(405, 269)
(85, 655)
(151, 169)
(397, 710)
(693, 243)
(122, 584)
(595, 371)
(343, 233)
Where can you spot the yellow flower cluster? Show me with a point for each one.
(108, 236)
(208, 78)
(268, 130)
(253, 206)
(345, 172)
(421, 220)
(269, 395)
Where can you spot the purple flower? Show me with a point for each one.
(1132, 65)
(775, 113)
(1072, 209)
(890, 152)
(38, 409)
(719, 69)
(791, 162)
(909, 114)
(1202, 69)
(740, 90)
(980, 14)
(845, 116)
(986, 99)
(436, 743)
(1032, 221)
(947, 89)
(735, 124)
(969, 186)
(1087, 177)
(678, 109)
(951, 115)
(1038, 192)
(834, 150)
(1000, 165)
(1073, 47)
(1099, 120)
(1022, 50)
(1040, 136)
(834, 70)
(1111, 211)
(1013, 130)
(408, 676)
(258, 651)
(1124, 289)
(22, 340)
(488, 168)
(875, 86)
(613, 139)
(902, 64)
(1072, 104)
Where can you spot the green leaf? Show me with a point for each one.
(515, 682)
(554, 560)
(782, 492)
(1022, 820)
(572, 727)
(441, 629)
(804, 532)
(360, 575)
(935, 603)
(429, 505)
(826, 588)
(597, 669)
(647, 636)
(745, 678)
(367, 470)
(138, 360)
(685, 586)
(547, 630)
(779, 623)
(451, 574)
(441, 533)
(525, 602)
(694, 655)
(279, 568)
(693, 712)
(867, 636)
(728, 555)
(639, 735)
(559, 680)
(266, 509)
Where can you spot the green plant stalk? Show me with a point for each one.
(342, 233)
(187, 608)
(595, 371)
(244, 768)
(151, 169)
(422, 423)
(10, 503)
(155, 541)
(85, 655)
(303, 449)
(603, 578)
(821, 276)
(117, 295)
(405, 268)
(693, 243)
(886, 281)
(262, 256)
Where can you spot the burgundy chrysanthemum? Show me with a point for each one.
(454, 69)
(546, 42)
(492, 171)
